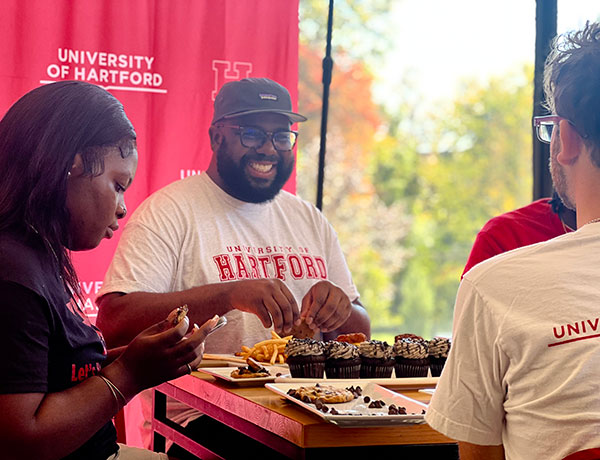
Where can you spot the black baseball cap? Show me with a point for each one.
(253, 95)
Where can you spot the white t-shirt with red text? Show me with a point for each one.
(524, 368)
(192, 233)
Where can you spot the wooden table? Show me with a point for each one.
(268, 418)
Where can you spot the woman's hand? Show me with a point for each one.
(160, 353)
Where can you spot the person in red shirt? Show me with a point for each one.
(541, 220)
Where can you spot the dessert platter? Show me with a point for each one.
(357, 405)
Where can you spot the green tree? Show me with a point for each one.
(406, 201)
(478, 166)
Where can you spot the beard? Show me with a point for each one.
(559, 178)
(246, 188)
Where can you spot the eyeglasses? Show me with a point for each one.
(545, 125)
(254, 138)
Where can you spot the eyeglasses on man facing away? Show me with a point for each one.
(544, 126)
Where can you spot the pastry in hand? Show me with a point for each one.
(179, 314)
(302, 331)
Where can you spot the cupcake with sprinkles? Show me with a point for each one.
(306, 358)
(411, 356)
(342, 360)
(376, 359)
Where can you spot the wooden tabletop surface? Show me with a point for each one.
(271, 412)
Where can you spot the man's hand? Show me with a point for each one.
(325, 306)
(269, 299)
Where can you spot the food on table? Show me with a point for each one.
(377, 359)
(325, 394)
(438, 349)
(407, 336)
(302, 331)
(306, 358)
(320, 395)
(271, 351)
(411, 357)
(394, 410)
(342, 360)
(356, 338)
(181, 313)
(251, 371)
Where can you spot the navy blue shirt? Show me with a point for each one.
(48, 345)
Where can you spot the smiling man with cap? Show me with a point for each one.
(231, 242)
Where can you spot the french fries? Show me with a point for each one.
(267, 351)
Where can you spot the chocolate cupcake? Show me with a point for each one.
(439, 347)
(305, 358)
(411, 358)
(342, 360)
(376, 359)
(407, 336)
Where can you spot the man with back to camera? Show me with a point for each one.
(521, 379)
(231, 242)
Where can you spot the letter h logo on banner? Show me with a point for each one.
(226, 71)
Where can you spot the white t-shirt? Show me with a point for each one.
(192, 233)
(524, 368)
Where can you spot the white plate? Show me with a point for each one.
(405, 383)
(363, 416)
(224, 373)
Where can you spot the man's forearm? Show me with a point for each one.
(122, 316)
(358, 321)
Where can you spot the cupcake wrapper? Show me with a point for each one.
(307, 366)
(376, 368)
(309, 370)
(342, 371)
(411, 367)
(437, 364)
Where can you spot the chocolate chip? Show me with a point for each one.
(367, 399)
(278, 374)
(334, 412)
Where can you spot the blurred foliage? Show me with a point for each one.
(361, 27)
(406, 208)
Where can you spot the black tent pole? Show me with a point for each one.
(327, 68)
(545, 29)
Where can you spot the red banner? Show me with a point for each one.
(164, 60)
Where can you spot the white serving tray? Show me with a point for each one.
(355, 413)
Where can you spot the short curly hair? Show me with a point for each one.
(572, 83)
